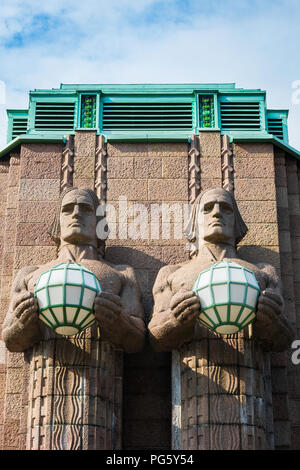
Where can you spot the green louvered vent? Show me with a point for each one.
(240, 115)
(19, 126)
(275, 127)
(147, 116)
(54, 116)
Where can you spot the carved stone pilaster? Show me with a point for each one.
(227, 164)
(194, 169)
(67, 164)
(100, 169)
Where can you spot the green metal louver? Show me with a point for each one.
(17, 123)
(151, 112)
(240, 115)
(275, 127)
(277, 124)
(147, 116)
(88, 111)
(54, 116)
(19, 127)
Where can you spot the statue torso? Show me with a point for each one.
(109, 277)
(184, 277)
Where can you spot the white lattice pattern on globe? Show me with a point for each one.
(228, 295)
(66, 295)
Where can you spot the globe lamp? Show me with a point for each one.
(66, 295)
(228, 296)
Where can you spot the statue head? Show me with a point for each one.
(215, 219)
(75, 220)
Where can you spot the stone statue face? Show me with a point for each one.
(216, 219)
(78, 218)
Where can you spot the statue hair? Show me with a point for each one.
(54, 229)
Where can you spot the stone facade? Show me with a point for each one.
(221, 379)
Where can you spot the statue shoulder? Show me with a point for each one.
(126, 272)
(21, 278)
(268, 269)
(270, 273)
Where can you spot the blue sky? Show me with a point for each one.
(255, 44)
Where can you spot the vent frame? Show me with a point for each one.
(69, 105)
(213, 111)
(17, 123)
(275, 117)
(242, 114)
(147, 110)
(82, 96)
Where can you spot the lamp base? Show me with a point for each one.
(227, 329)
(67, 330)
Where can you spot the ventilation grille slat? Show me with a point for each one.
(147, 116)
(275, 127)
(19, 127)
(54, 116)
(240, 115)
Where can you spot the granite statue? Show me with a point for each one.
(118, 309)
(215, 228)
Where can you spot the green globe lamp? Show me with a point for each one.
(66, 295)
(228, 296)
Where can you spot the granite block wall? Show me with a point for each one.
(266, 185)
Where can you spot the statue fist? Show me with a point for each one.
(271, 327)
(108, 308)
(269, 306)
(185, 306)
(26, 308)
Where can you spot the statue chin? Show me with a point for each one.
(219, 237)
(76, 237)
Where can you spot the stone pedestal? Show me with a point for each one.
(225, 395)
(75, 394)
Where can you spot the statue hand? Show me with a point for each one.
(108, 307)
(271, 326)
(25, 307)
(269, 307)
(185, 307)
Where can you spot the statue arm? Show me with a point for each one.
(272, 327)
(132, 323)
(166, 330)
(121, 317)
(21, 325)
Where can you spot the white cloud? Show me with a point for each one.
(255, 44)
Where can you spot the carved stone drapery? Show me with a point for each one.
(75, 399)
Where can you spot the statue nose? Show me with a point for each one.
(216, 210)
(76, 211)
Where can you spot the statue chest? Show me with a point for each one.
(109, 278)
(185, 277)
